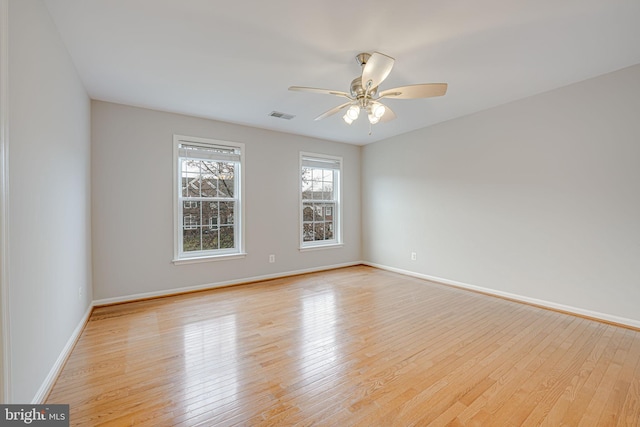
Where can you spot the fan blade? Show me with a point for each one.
(322, 91)
(425, 90)
(332, 111)
(376, 69)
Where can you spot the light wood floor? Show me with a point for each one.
(354, 346)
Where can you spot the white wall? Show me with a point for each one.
(132, 168)
(49, 200)
(539, 198)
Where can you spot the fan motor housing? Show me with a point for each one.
(358, 91)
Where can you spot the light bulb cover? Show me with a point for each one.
(353, 112)
(348, 120)
(378, 110)
(373, 119)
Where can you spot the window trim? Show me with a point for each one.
(188, 258)
(337, 241)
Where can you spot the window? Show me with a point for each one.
(319, 200)
(213, 223)
(190, 204)
(190, 222)
(207, 198)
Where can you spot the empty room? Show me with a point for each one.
(340, 213)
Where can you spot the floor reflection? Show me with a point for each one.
(210, 357)
(318, 332)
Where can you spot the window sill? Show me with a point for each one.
(195, 260)
(321, 247)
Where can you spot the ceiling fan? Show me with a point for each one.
(364, 95)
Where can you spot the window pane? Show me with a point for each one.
(191, 221)
(184, 185)
(209, 239)
(306, 184)
(226, 213)
(190, 178)
(307, 213)
(191, 239)
(191, 207)
(225, 188)
(211, 215)
(209, 180)
(226, 237)
(316, 189)
(327, 191)
(307, 232)
(328, 212)
(190, 185)
(206, 212)
(328, 230)
(318, 231)
(318, 212)
(307, 194)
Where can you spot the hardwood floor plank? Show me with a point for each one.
(531, 342)
(355, 346)
(629, 414)
(610, 414)
(598, 403)
(459, 378)
(540, 399)
(524, 378)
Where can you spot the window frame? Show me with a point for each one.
(179, 255)
(336, 201)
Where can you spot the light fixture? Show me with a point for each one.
(365, 93)
(352, 113)
(375, 111)
(378, 110)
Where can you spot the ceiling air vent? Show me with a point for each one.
(280, 115)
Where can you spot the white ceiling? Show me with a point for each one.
(233, 61)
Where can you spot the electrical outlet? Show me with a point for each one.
(80, 293)
(272, 258)
(414, 256)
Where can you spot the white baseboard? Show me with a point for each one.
(635, 324)
(48, 383)
(168, 292)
